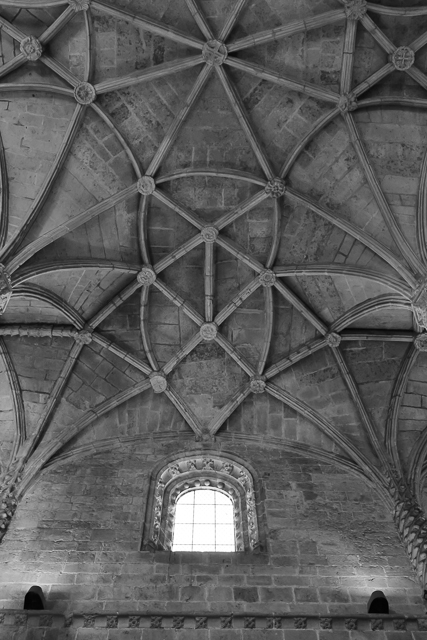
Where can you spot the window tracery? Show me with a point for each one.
(202, 471)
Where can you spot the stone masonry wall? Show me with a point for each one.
(77, 534)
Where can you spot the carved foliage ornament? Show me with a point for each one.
(8, 499)
(31, 48)
(267, 278)
(214, 52)
(5, 289)
(355, 9)
(412, 528)
(419, 305)
(421, 342)
(257, 384)
(275, 188)
(79, 5)
(333, 340)
(347, 102)
(83, 337)
(85, 93)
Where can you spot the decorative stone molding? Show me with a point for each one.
(159, 383)
(347, 103)
(12, 618)
(85, 93)
(156, 622)
(300, 623)
(333, 340)
(275, 188)
(267, 278)
(403, 58)
(355, 9)
(257, 384)
(31, 48)
(68, 621)
(410, 521)
(213, 471)
(46, 620)
(350, 624)
(209, 234)
(83, 337)
(214, 52)
(38, 331)
(79, 5)
(227, 621)
(274, 623)
(377, 624)
(208, 331)
(412, 528)
(133, 622)
(178, 622)
(420, 342)
(325, 623)
(21, 619)
(8, 499)
(89, 621)
(419, 305)
(112, 622)
(5, 289)
(146, 185)
(146, 276)
(399, 625)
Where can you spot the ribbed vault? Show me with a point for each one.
(209, 224)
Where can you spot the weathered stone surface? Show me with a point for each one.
(137, 282)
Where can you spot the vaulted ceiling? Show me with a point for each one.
(214, 222)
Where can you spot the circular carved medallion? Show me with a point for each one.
(333, 339)
(208, 331)
(403, 58)
(267, 278)
(31, 48)
(275, 188)
(158, 382)
(257, 384)
(146, 185)
(146, 276)
(209, 234)
(214, 52)
(85, 93)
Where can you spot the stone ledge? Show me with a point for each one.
(393, 622)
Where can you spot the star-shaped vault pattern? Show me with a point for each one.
(268, 286)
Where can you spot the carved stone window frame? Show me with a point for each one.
(218, 471)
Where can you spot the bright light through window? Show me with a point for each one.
(204, 521)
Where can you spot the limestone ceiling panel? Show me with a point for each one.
(213, 223)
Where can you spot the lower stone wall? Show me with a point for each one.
(330, 544)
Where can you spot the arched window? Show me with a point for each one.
(202, 503)
(204, 521)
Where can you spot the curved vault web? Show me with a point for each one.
(403, 272)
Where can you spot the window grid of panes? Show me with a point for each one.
(204, 521)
